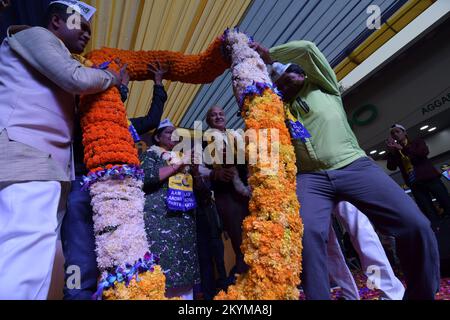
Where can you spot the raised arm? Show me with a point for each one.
(48, 55)
(153, 118)
(393, 150)
(308, 56)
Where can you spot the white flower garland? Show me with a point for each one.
(247, 67)
(171, 157)
(118, 207)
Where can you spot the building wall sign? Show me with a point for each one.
(364, 116)
(439, 102)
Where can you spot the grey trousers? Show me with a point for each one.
(373, 192)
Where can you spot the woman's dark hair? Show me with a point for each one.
(295, 68)
(157, 133)
(58, 9)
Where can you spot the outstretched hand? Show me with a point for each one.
(158, 71)
(121, 77)
(262, 51)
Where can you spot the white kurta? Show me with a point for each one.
(30, 215)
(374, 261)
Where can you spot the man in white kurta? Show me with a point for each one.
(39, 79)
(372, 256)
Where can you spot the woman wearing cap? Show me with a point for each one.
(411, 157)
(169, 212)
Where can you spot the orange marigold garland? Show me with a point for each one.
(273, 230)
(115, 177)
(195, 69)
(272, 233)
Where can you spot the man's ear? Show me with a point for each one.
(208, 120)
(56, 22)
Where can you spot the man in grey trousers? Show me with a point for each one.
(332, 168)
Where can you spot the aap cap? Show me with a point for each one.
(165, 123)
(277, 69)
(85, 10)
(398, 126)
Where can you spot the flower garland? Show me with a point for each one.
(111, 172)
(125, 276)
(272, 233)
(171, 157)
(195, 69)
(273, 230)
(115, 178)
(106, 138)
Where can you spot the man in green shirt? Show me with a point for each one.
(332, 168)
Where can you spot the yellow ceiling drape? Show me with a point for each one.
(188, 26)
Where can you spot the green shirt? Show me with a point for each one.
(333, 144)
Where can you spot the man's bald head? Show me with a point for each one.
(215, 118)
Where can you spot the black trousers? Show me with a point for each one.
(423, 193)
(78, 241)
(210, 251)
(233, 208)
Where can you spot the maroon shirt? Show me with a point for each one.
(417, 151)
